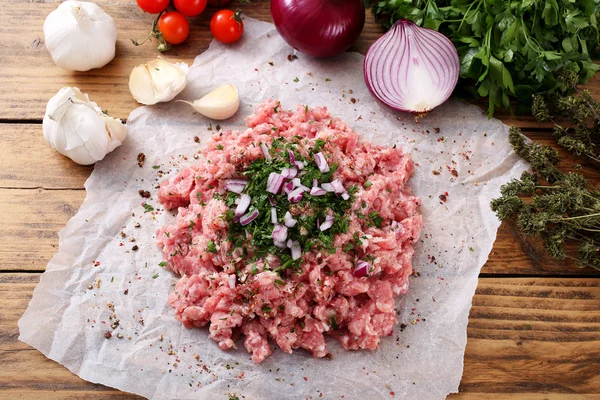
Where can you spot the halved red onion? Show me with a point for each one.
(338, 186)
(243, 205)
(345, 196)
(274, 182)
(273, 215)
(288, 220)
(265, 151)
(321, 162)
(328, 223)
(248, 217)
(317, 191)
(232, 280)
(235, 185)
(361, 269)
(412, 69)
(295, 195)
(296, 250)
(280, 245)
(279, 233)
(328, 187)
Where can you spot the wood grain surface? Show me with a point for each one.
(534, 329)
(526, 336)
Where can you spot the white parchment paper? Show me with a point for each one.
(459, 153)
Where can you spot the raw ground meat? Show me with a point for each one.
(324, 297)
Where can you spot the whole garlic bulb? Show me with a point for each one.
(157, 81)
(77, 128)
(80, 36)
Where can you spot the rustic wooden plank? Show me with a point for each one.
(32, 218)
(529, 338)
(29, 225)
(29, 162)
(30, 77)
(27, 89)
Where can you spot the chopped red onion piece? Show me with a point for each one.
(232, 280)
(235, 185)
(317, 191)
(295, 195)
(279, 233)
(315, 183)
(361, 269)
(265, 151)
(289, 243)
(338, 187)
(293, 173)
(321, 162)
(243, 205)
(296, 250)
(273, 215)
(288, 187)
(328, 223)
(328, 187)
(274, 183)
(288, 220)
(318, 224)
(271, 201)
(296, 182)
(345, 196)
(299, 164)
(236, 201)
(292, 157)
(281, 245)
(248, 217)
(285, 173)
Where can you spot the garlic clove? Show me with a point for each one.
(222, 103)
(80, 36)
(77, 128)
(157, 81)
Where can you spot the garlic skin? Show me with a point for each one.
(222, 103)
(80, 36)
(157, 81)
(77, 128)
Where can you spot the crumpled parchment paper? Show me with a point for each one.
(97, 278)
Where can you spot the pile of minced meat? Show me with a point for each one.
(291, 230)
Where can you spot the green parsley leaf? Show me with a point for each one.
(155, 276)
(210, 247)
(148, 208)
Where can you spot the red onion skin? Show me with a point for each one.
(319, 28)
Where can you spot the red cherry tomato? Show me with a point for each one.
(190, 8)
(219, 3)
(227, 26)
(153, 6)
(174, 27)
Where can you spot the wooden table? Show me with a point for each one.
(534, 329)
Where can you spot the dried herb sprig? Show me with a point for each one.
(551, 205)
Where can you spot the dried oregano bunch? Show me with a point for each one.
(556, 207)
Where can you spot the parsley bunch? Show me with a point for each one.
(509, 48)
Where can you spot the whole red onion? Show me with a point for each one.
(320, 28)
